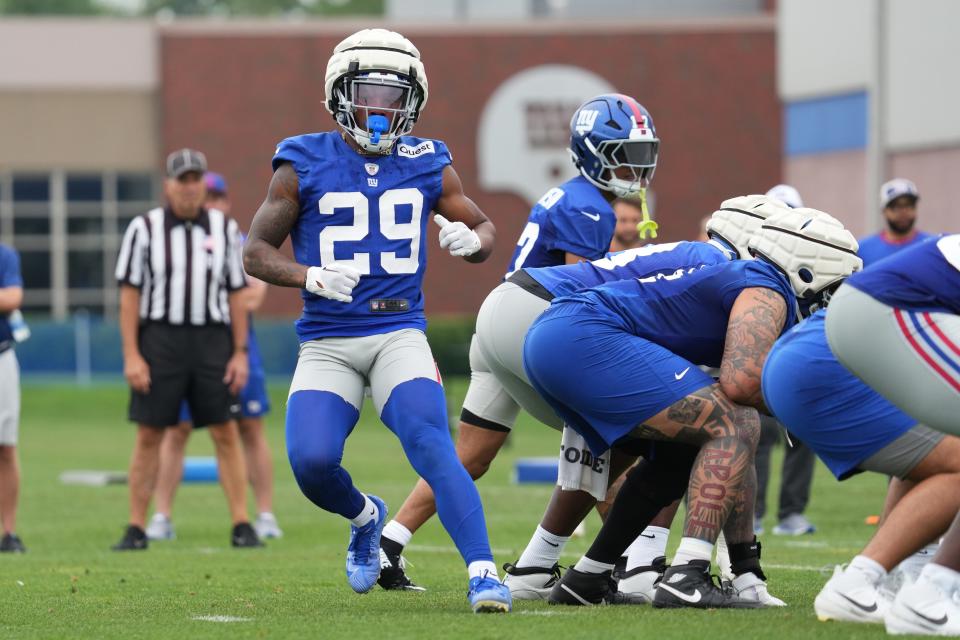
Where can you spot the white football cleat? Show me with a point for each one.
(160, 527)
(531, 583)
(922, 608)
(850, 596)
(750, 587)
(266, 526)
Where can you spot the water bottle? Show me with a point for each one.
(18, 326)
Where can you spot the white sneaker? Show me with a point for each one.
(641, 586)
(160, 527)
(922, 608)
(750, 587)
(266, 526)
(849, 595)
(530, 583)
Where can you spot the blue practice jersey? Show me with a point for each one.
(574, 218)
(686, 312)
(625, 265)
(876, 247)
(9, 277)
(925, 277)
(371, 213)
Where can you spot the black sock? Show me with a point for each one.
(390, 547)
(631, 512)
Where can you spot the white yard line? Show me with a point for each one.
(221, 619)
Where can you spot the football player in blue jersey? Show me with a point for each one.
(614, 145)
(881, 368)
(629, 353)
(356, 204)
(503, 321)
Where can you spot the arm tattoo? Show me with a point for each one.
(271, 225)
(755, 324)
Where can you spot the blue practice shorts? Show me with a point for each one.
(842, 419)
(600, 379)
(254, 402)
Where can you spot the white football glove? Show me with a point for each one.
(334, 281)
(460, 239)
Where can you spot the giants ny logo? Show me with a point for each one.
(585, 120)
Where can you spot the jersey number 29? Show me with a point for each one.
(360, 229)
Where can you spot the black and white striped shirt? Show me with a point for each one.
(184, 269)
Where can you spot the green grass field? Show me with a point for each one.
(70, 585)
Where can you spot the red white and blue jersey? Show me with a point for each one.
(923, 277)
(370, 212)
(572, 218)
(625, 265)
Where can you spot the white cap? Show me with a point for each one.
(787, 195)
(897, 187)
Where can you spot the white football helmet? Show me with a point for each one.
(737, 219)
(377, 75)
(812, 249)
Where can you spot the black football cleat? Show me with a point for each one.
(392, 574)
(11, 543)
(691, 585)
(134, 539)
(244, 536)
(580, 589)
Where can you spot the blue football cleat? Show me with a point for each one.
(488, 595)
(363, 553)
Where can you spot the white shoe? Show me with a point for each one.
(266, 526)
(849, 595)
(160, 527)
(530, 583)
(641, 586)
(922, 608)
(750, 587)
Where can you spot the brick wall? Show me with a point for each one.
(711, 90)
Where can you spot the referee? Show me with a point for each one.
(184, 333)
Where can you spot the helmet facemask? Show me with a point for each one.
(375, 108)
(635, 158)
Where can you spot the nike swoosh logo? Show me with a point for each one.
(937, 621)
(686, 597)
(869, 609)
(652, 537)
(679, 376)
(593, 216)
(550, 543)
(585, 603)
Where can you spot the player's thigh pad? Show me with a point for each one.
(910, 358)
(487, 404)
(9, 398)
(502, 325)
(333, 365)
(400, 356)
(903, 454)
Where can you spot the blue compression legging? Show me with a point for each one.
(319, 422)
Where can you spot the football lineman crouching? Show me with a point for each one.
(619, 363)
(881, 368)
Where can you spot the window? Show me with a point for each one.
(67, 227)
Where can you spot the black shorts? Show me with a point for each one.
(185, 363)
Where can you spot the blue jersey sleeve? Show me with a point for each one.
(583, 232)
(10, 275)
(293, 151)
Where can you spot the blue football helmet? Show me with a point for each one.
(611, 131)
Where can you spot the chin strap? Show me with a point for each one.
(646, 226)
